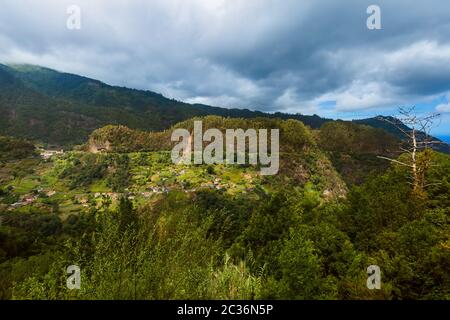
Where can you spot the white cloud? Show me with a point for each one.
(274, 56)
(445, 107)
(360, 96)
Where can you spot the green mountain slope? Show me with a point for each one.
(378, 122)
(220, 231)
(96, 104)
(353, 148)
(59, 108)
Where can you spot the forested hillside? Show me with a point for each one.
(141, 227)
(62, 109)
(353, 148)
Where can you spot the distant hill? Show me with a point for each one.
(294, 135)
(62, 109)
(301, 158)
(351, 148)
(377, 122)
(445, 139)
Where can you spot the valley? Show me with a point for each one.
(87, 179)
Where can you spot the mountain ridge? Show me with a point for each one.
(63, 108)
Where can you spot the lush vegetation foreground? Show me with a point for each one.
(141, 227)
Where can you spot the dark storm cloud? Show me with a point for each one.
(287, 55)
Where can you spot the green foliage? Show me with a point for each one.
(405, 233)
(235, 282)
(12, 149)
(119, 172)
(300, 271)
(353, 149)
(60, 108)
(142, 228)
(340, 136)
(84, 170)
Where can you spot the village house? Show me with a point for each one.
(47, 154)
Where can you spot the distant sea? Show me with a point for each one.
(445, 138)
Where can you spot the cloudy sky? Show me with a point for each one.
(308, 56)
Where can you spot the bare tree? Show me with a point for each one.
(416, 130)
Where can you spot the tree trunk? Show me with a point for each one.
(416, 184)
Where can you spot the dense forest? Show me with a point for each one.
(141, 227)
(61, 109)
